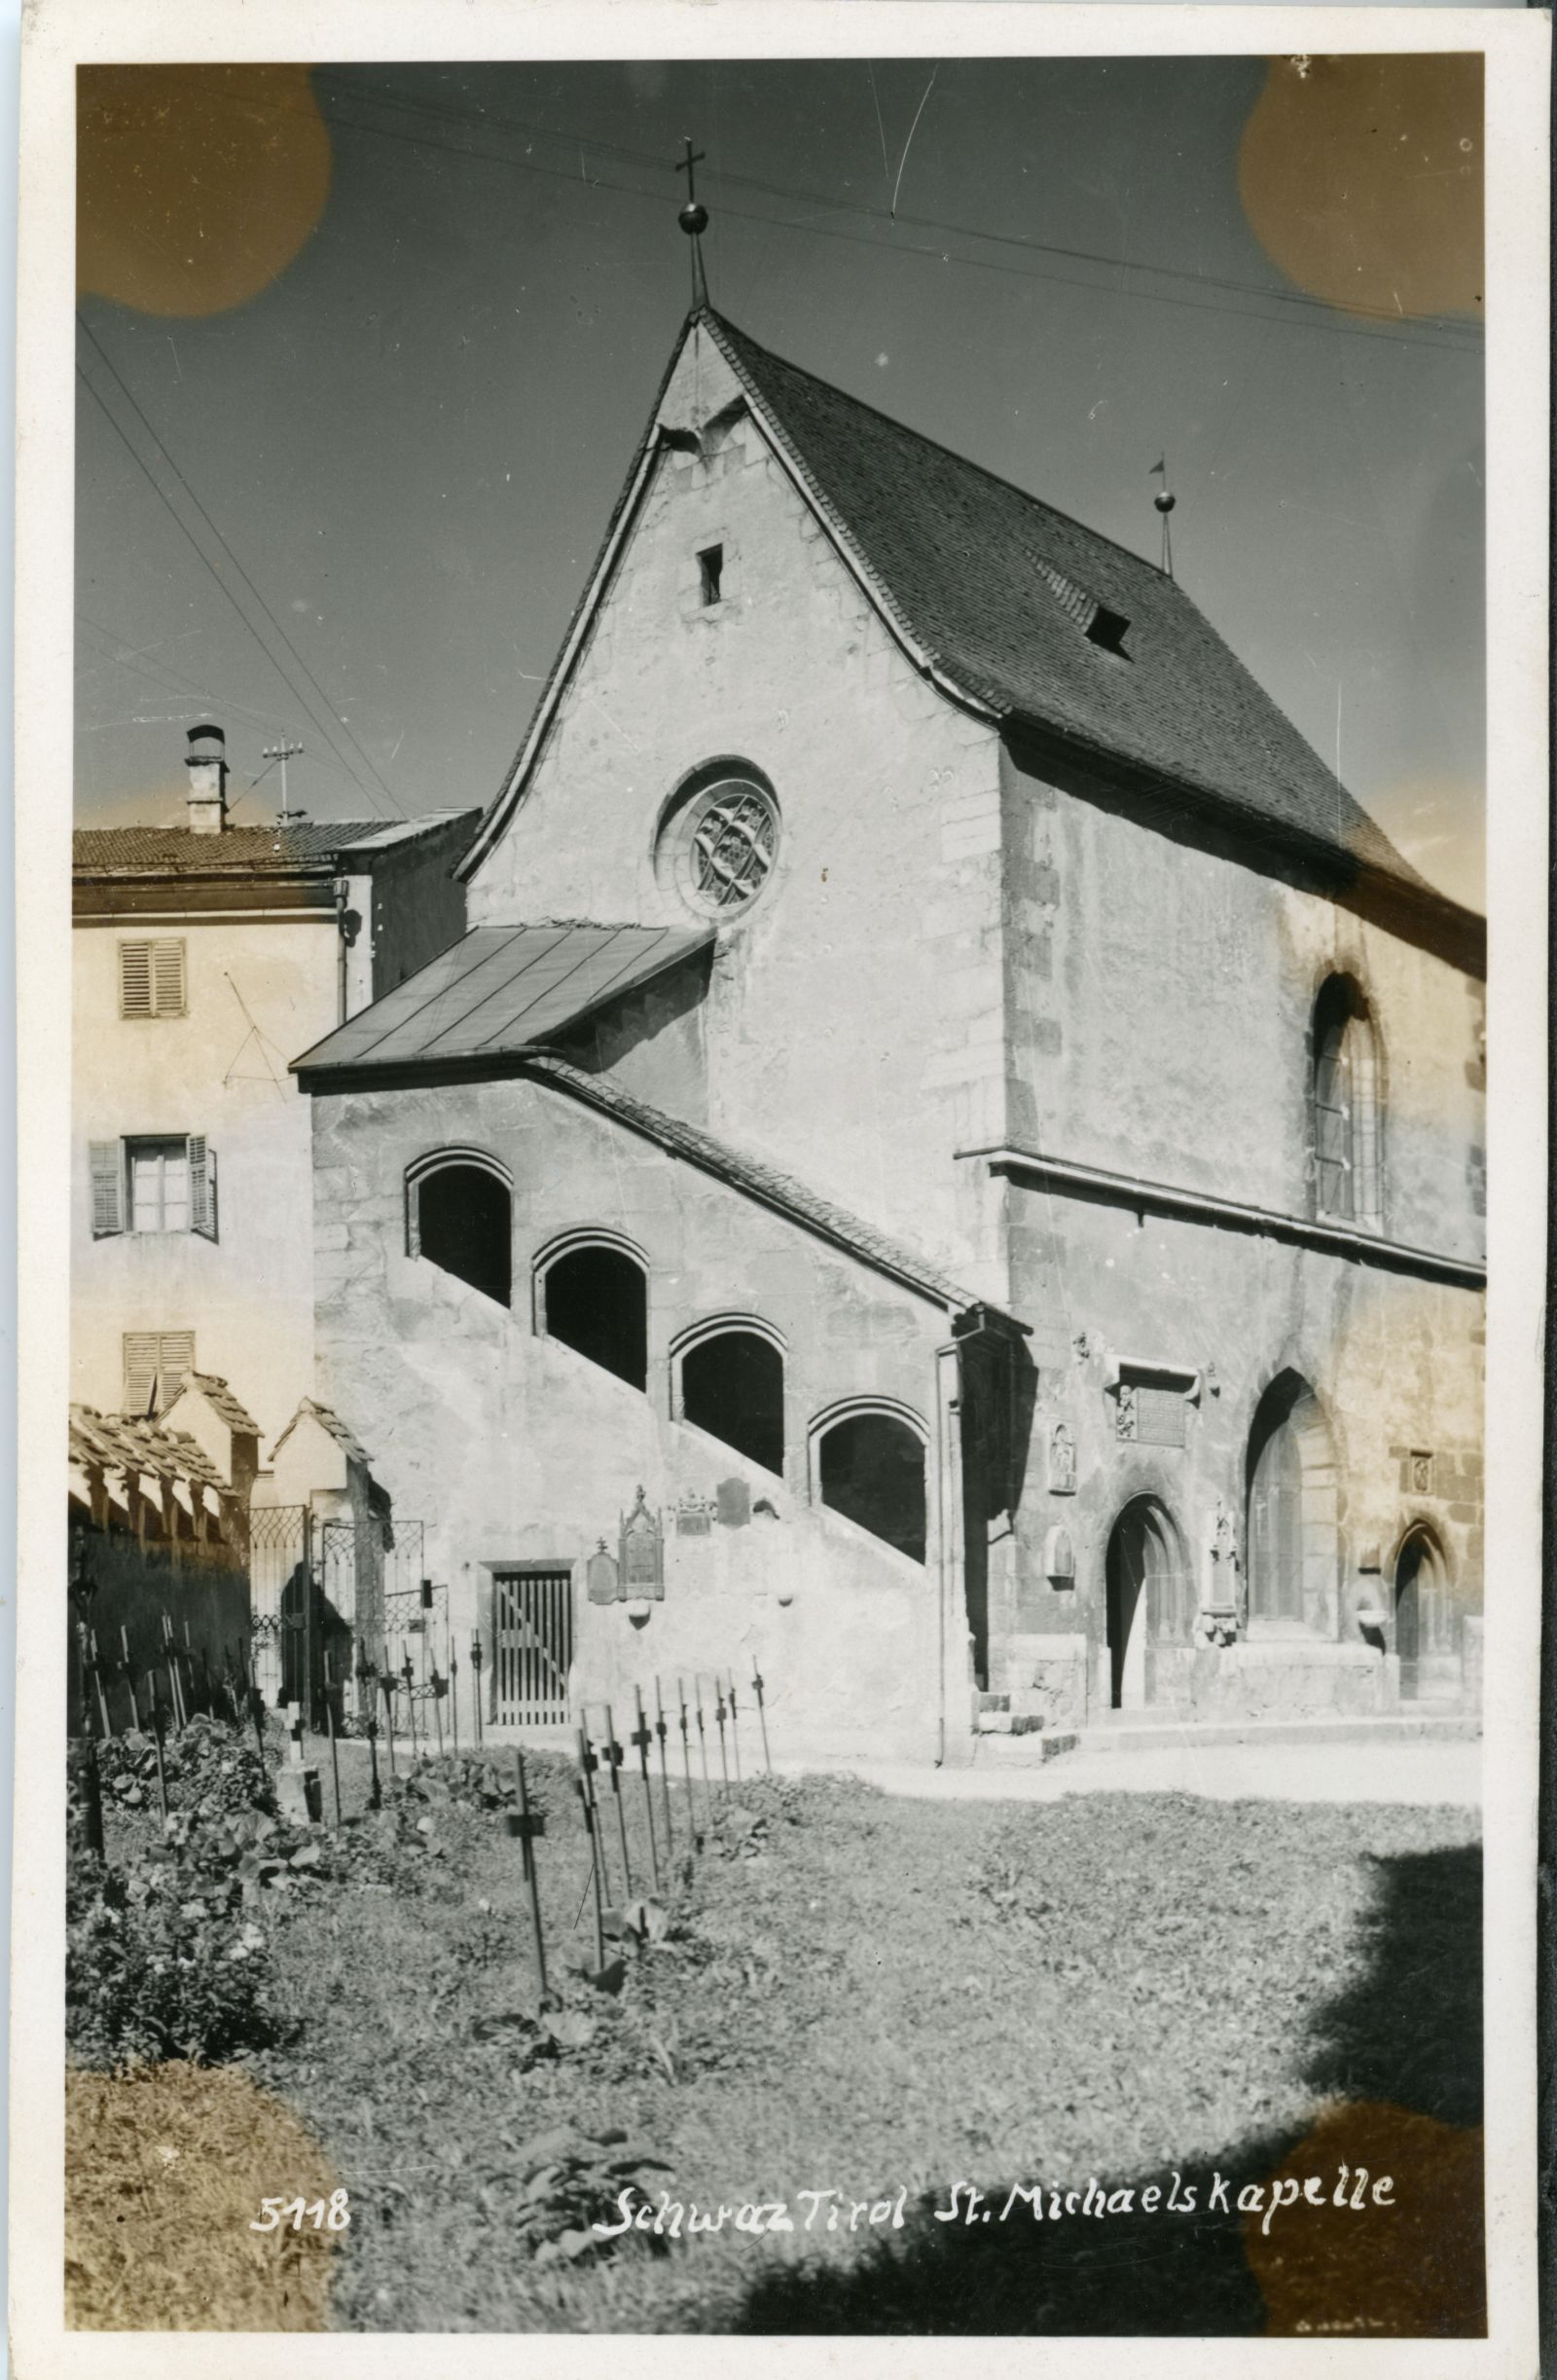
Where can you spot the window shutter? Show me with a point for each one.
(175, 1360)
(107, 1167)
(135, 979)
(168, 980)
(201, 1187)
(140, 1371)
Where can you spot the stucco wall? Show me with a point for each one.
(853, 1019)
(1161, 1000)
(512, 1447)
(257, 994)
(1395, 1361)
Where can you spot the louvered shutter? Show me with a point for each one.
(201, 1187)
(175, 1360)
(140, 1371)
(168, 978)
(107, 1167)
(135, 979)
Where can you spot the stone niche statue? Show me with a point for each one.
(1218, 1615)
(1061, 1461)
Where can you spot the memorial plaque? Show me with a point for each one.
(642, 1553)
(602, 1584)
(735, 1503)
(693, 1517)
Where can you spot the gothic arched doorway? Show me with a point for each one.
(1423, 1635)
(1147, 1582)
(1293, 1548)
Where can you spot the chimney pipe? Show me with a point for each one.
(207, 764)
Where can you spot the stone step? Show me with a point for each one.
(1143, 1732)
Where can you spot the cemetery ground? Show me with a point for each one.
(1181, 2002)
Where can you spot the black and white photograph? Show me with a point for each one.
(795, 1580)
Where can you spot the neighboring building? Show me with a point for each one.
(958, 1106)
(206, 956)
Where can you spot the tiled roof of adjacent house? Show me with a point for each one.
(220, 1398)
(131, 1441)
(327, 1420)
(500, 989)
(242, 851)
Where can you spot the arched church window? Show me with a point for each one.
(1344, 1092)
(869, 1465)
(459, 1216)
(720, 839)
(593, 1293)
(1292, 1537)
(731, 1383)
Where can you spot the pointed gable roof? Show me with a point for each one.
(1016, 610)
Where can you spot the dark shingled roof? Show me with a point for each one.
(999, 590)
(238, 851)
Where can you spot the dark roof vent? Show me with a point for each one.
(1095, 620)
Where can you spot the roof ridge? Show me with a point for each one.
(964, 463)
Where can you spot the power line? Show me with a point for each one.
(117, 652)
(206, 564)
(152, 432)
(1303, 308)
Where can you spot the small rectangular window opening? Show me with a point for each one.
(711, 571)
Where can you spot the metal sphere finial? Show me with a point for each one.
(1164, 502)
(693, 218)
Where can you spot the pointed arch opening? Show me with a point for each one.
(1423, 1617)
(1292, 1521)
(1345, 1107)
(1151, 1601)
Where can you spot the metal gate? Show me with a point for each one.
(532, 1641)
(321, 1595)
(280, 1602)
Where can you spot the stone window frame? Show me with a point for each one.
(676, 826)
(850, 1408)
(1342, 993)
(440, 1160)
(721, 1326)
(568, 1243)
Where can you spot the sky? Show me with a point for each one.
(365, 353)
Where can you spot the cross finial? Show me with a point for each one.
(693, 221)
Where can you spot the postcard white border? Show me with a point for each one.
(59, 34)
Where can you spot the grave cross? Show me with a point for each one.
(643, 1736)
(720, 1719)
(614, 1754)
(762, 1713)
(662, 1730)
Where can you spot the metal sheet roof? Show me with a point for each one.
(501, 989)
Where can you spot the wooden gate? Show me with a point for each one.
(532, 1646)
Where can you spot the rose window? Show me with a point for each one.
(734, 833)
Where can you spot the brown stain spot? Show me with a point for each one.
(196, 185)
(1361, 179)
(164, 2170)
(1413, 2269)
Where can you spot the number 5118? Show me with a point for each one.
(331, 2214)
